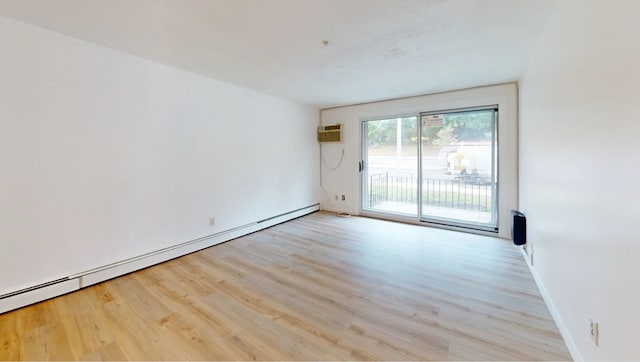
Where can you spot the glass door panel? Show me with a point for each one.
(459, 178)
(389, 168)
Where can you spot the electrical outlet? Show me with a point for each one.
(343, 198)
(212, 221)
(594, 330)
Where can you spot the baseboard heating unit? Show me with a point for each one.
(37, 293)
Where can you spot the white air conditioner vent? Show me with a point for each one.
(330, 133)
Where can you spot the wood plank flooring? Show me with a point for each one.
(316, 288)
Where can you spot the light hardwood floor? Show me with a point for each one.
(316, 288)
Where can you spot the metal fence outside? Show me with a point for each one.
(466, 192)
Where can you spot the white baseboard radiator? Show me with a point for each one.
(37, 293)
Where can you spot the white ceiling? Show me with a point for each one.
(378, 49)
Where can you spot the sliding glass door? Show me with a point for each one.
(459, 177)
(440, 167)
(389, 166)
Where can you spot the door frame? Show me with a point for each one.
(494, 171)
(418, 219)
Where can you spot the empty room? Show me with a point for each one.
(319, 180)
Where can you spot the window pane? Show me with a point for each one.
(390, 177)
(458, 158)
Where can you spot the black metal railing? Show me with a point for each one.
(378, 188)
(466, 192)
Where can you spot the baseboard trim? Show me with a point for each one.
(575, 353)
(37, 293)
(338, 210)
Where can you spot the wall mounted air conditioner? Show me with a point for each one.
(330, 133)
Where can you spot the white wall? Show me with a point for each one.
(346, 179)
(580, 173)
(105, 156)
